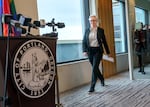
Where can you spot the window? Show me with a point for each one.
(71, 13)
(119, 26)
(140, 15)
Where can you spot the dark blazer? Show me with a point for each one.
(101, 40)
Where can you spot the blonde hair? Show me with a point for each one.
(93, 16)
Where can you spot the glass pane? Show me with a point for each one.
(69, 44)
(119, 26)
(140, 15)
(66, 11)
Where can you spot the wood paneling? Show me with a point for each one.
(105, 16)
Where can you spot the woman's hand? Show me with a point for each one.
(85, 53)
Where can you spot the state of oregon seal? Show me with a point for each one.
(33, 68)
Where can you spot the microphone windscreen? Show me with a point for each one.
(24, 21)
(60, 25)
(40, 23)
(15, 23)
(37, 23)
(6, 18)
(21, 30)
(24, 31)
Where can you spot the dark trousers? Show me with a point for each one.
(95, 56)
(141, 66)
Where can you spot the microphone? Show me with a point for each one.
(40, 23)
(21, 30)
(52, 23)
(6, 18)
(49, 24)
(37, 23)
(18, 26)
(60, 25)
(15, 23)
(32, 25)
(24, 20)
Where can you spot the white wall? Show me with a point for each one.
(122, 62)
(73, 75)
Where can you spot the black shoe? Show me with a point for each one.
(143, 72)
(91, 90)
(103, 83)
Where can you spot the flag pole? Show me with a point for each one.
(5, 97)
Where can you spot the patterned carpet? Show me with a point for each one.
(118, 92)
(138, 75)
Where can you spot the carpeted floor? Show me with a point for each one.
(138, 75)
(118, 92)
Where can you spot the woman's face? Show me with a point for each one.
(93, 21)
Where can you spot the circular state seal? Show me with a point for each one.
(33, 68)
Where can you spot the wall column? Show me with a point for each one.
(130, 16)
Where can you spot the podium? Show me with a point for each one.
(31, 71)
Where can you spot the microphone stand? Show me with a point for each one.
(5, 97)
(28, 32)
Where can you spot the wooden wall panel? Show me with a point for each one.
(105, 16)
